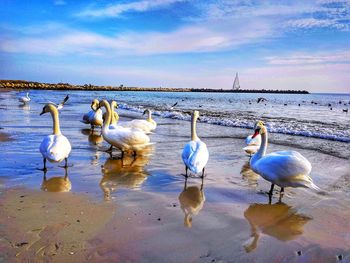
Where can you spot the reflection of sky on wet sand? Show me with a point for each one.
(276, 220)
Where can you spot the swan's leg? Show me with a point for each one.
(281, 194)
(110, 149)
(203, 172)
(202, 183)
(271, 193)
(185, 185)
(66, 163)
(186, 171)
(44, 169)
(122, 156)
(271, 189)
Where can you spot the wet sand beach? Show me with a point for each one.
(103, 209)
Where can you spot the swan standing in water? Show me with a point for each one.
(25, 99)
(125, 139)
(147, 126)
(253, 144)
(195, 154)
(283, 168)
(93, 117)
(54, 147)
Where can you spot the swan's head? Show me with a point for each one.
(148, 111)
(94, 104)
(48, 108)
(259, 128)
(103, 103)
(114, 105)
(195, 114)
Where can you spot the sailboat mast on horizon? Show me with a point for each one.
(236, 85)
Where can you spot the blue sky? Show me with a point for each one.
(177, 43)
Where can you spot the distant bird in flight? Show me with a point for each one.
(173, 106)
(261, 99)
(60, 105)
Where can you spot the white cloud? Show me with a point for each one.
(118, 9)
(196, 38)
(338, 57)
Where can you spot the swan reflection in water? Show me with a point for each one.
(56, 184)
(94, 137)
(191, 199)
(128, 172)
(249, 175)
(276, 220)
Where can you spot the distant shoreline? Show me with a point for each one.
(24, 85)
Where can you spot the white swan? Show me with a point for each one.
(125, 139)
(25, 99)
(283, 168)
(54, 147)
(146, 126)
(195, 154)
(93, 117)
(253, 144)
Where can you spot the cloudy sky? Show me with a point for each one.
(287, 44)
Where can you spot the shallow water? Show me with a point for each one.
(231, 217)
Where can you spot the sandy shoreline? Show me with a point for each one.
(136, 212)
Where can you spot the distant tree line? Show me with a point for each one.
(22, 84)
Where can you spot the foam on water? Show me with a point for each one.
(290, 128)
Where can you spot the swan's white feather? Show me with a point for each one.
(195, 155)
(144, 125)
(126, 138)
(55, 148)
(284, 168)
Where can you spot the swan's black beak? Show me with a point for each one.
(43, 111)
(199, 119)
(144, 112)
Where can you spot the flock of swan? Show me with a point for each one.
(281, 168)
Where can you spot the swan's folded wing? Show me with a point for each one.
(283, 165)
(199, 158)
(46, 144)
(188, 150)
(60, 148)
(132, 137)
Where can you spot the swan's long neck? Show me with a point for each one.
(262, 150)
(194, 136)
(114, 117)
(108, 117)
(27, 95)
(56, 121)
(149, 116)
